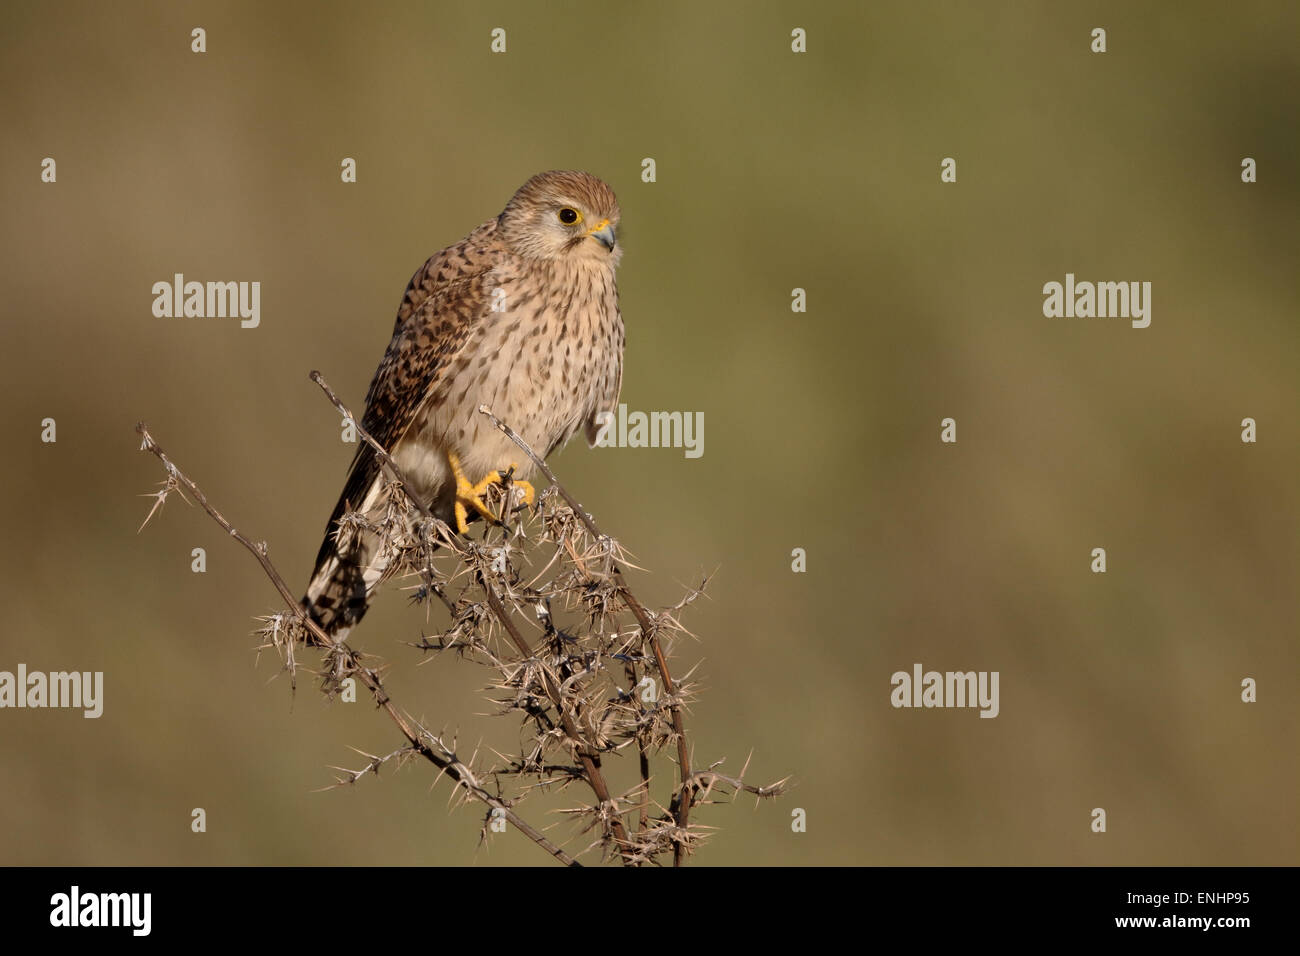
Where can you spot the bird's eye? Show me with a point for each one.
(569, 216)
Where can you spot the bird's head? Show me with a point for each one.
(563, 214)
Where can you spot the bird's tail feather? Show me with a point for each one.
(337, 597)
(347, 570)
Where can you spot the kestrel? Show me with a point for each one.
(521, 315)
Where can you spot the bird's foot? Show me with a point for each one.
(471, 496)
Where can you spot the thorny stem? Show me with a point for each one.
(681, 808)
(643, 752)
(565, 680)
(440, 756)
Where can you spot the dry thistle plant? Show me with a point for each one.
(540, 600)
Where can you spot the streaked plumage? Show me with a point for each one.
(547, 363)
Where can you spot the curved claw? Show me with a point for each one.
(471, 496)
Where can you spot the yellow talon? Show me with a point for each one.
(472, 495)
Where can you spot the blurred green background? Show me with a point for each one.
(775, 171)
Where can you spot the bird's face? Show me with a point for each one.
(565, 216)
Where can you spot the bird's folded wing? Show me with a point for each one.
(444, 302)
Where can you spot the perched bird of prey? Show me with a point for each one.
(521, 315)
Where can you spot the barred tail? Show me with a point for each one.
(347, 570)
(337, 597)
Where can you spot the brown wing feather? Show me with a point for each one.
(443, 302)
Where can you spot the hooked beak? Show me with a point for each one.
(604, 234)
